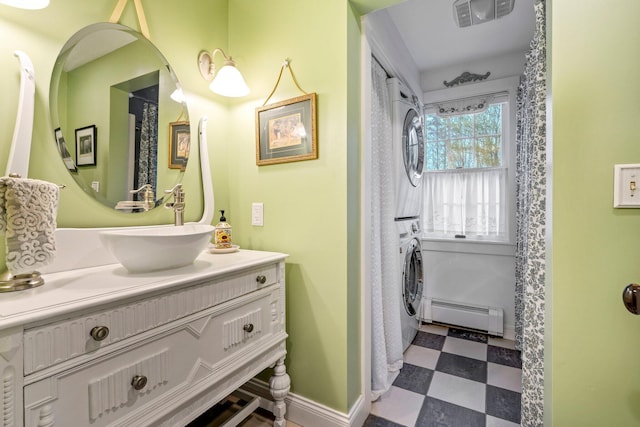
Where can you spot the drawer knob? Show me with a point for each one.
(138, 382)
(248, 327)
(262, 279)
(99, 333)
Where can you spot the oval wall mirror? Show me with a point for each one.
(119, 116)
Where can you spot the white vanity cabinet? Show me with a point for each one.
(101, 347)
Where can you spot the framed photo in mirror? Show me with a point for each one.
(64, 151)
(286, 131)
(179, 144)
(86, 146)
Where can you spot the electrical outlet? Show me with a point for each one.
(257, 214)
(95, 185)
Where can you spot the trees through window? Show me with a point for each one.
(465, 175)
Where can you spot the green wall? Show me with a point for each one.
(595, 380)
(308, 205)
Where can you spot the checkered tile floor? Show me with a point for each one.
(453, 378)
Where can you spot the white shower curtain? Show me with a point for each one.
(386, 339)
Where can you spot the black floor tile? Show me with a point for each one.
(468, 335)
(414, 378)
(504, 356)
(503, 404)
(500, 403)
(437, 413)
(460, 366)
(433, 341)
(373, 421)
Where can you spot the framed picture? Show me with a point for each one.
(179, 144)
(64, 151)
(86, 146)
(286, 131)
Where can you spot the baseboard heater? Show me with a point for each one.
(482, 318)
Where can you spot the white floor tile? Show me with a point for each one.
(504, 377)
(472, 349)
(459, 391)
(398, 405)
(421, 356)
(499, 422)
(499, 342)
(434, 329)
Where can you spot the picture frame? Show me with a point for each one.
(286, 131)
(86, 140)
(179, 144)
(64, 151)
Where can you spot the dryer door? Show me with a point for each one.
(413, 146)
(412, 278)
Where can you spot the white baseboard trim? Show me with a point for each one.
(509, 333)
(306, 412)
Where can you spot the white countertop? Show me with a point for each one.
(85, 288)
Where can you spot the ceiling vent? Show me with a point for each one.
(472, 12)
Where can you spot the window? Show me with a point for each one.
(465, 180)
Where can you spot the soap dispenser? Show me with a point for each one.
(222, 233)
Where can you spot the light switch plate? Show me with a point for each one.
(626, 186)
(257, 214)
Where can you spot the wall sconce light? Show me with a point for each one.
(178, 96)
(227, 81)
(26, 4)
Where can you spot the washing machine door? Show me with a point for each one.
(413, 146)
(412, 277)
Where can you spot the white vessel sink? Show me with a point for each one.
(146, 249)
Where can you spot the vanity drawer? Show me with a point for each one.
(54, 343)
(202, 350)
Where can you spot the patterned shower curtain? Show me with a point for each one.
(530, 223)
(386, 330)
(148, 151)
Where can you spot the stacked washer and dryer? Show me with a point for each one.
(408, 163)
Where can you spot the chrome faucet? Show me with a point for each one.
(178, 203)
(149, 201)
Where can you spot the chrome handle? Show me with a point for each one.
(248, 327)
(138, 382)
(99, 333)
(261, 279)
(630, 297)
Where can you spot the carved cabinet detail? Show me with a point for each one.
(136, 353)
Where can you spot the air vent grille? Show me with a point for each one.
(503, 7)
(463, 14)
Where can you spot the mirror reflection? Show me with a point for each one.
(120, 120)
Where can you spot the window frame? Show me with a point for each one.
(506, 91)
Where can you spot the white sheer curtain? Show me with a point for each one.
(468, 202)
(386, 333)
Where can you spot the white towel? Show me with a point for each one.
(28, 219)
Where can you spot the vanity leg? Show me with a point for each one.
(279, 386)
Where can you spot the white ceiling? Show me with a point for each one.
(434, 40)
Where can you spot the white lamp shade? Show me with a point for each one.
(178, 96)
(229, 82)
(26, 4)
